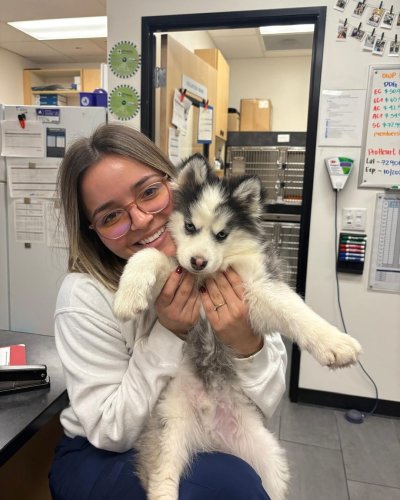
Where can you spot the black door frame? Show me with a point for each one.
(249, 19)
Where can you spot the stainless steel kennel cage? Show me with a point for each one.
(281, 170)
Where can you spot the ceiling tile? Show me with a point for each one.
(240, 47)
(23, 10)
(28, 49)
(233, 32)
(78, 46)
(9, 34)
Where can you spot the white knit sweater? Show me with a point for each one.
(115, 371)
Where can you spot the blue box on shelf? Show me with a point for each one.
(96, 98)
(86, 99)
(100, 97)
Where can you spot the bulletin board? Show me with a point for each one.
(380, 153)
(184, 68)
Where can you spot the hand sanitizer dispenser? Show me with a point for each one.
(339, 168)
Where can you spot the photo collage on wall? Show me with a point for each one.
(376, 27)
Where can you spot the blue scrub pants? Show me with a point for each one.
(82, 472)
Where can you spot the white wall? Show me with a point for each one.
(11, 84)
(285, 81)
(374, 318)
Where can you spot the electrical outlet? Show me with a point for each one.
(354, 219)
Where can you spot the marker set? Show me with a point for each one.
(351, 253)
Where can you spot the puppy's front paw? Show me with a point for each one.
(129, 303)
(141, 281)
(336, 349)
(134, 294)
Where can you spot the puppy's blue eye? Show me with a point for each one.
(221, 235)
(190, 228)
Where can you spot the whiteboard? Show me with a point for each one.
(380, 153)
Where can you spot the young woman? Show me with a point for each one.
(115, 197)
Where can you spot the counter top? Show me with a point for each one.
(22, 414)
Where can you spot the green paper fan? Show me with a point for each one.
(124, 102)
(124, 59)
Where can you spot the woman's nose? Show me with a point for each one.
(139, 219)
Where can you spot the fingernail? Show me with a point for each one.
(179, 270)
(203, 289)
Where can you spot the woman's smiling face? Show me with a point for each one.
(113, 183)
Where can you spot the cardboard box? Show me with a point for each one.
(233, 122)
(255, 115)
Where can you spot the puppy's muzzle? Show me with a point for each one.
(198, 263)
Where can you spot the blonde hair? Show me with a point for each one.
(86, 252)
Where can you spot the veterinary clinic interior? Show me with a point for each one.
(305, 95)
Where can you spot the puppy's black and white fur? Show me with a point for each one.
(216, 223)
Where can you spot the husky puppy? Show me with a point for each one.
(216, 224)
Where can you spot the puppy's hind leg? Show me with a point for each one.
(167, 445)
(255, 444)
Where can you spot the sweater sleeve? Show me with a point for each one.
(263, 375)
(112, 387)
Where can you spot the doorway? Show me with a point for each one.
(249, 19)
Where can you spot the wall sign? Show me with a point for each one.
(195, 88)
(124, 59)
(124, 102)
(380, 153)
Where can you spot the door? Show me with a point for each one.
(180, 63)
(246, 19)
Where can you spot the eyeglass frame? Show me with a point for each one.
(164, 180)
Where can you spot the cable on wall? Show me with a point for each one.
(353, 416)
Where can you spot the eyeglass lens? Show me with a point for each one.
(151, 200)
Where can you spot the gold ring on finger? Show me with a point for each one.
(219, 305)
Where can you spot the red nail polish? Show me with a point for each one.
(203, 289)
(179, 270)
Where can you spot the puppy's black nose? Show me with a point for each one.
(198, 263)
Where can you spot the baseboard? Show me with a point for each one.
(346, 402)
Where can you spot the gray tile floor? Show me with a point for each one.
(332, 459)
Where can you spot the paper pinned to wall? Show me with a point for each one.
(174, 145)
(22, 141)
(205, 130)
(341, 117)
(29, 220)
(180, 111)
(32, 179)
(56, 232)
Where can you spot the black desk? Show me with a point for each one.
(23, 414)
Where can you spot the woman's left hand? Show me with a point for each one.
(228, 314)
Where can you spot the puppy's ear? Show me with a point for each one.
(194, 170)
(248, 192)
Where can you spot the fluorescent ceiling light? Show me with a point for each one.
(282, 30)
(61, 29)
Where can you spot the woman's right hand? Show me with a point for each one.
(178, 305)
